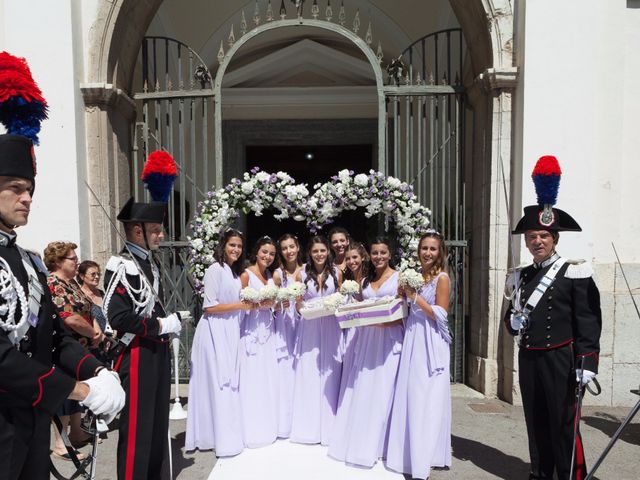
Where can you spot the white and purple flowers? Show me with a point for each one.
(259, 192)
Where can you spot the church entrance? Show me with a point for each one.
(309, 97)
(309, 164)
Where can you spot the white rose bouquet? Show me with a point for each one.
(296, 290)
(333, 301)
(411, 278)
(268, 292)
(249, 294)
(349, 287)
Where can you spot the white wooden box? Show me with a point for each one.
(368, 312)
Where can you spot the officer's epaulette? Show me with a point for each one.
(578, 269)
(117, 261)
(37, 261)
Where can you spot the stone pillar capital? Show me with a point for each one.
(108, 95)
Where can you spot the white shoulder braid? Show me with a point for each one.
(578, 269)
(142, 297)
(116, 262)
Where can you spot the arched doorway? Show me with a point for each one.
(490, 81)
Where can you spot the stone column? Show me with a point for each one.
(490, 98)
(110, 113)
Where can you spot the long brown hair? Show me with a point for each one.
(253, 258)
(327, 270)
(363, 270)
(238, 266)
(440, 265)
(281, 260)
(380, 240)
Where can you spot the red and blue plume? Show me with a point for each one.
(159, 174)
(546, 178)
(22, 106)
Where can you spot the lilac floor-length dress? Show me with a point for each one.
(258, 374)
(318, 366)
(214, 418)
(286, 325)
(361, 426)
(420, 432)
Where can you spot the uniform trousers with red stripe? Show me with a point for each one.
(548, 387)
(144, 370)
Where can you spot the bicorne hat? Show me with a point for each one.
(159, 174)
(543, 216)
(22, 109)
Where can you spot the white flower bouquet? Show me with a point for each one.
(296, 290)
(249, 294)
(322, 307)
(411, 278)
(349, 287)
(268, 292)
(333, 301)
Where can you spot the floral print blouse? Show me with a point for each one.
(69, 299)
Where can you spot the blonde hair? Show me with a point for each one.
(440, 265)
(56, 252)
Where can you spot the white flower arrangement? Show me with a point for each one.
(411, 278)
(333, 301)
(378, 195)
(268, 292)
(250, 294)
(296, 290)
(283, 295)
(349, 287)
(256, 192)
(259, 191)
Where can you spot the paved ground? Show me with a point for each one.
(488, 437)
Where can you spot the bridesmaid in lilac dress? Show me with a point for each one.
(287, 319)
(361, 426)
(214, 419)
(318, 354)
(357, 262)
(257, 353)
(420, 438)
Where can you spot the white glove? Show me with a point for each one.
(587, 375)
(185, 315)
(106, 396)
(170, 324)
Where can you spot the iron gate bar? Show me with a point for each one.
(423, 89)
(173, 94)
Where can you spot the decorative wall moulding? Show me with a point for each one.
(107, 95)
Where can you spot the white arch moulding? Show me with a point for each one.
(272, 25)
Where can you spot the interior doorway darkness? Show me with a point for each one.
(309, 164)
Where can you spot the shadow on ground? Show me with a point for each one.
(608, 424)
(489, 459)
(180, 462)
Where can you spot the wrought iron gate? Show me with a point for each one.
(422, 138)
(176, 114)
(425, 143)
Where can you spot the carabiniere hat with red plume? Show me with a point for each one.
(159, 174)
(22, 109)
(546, 178)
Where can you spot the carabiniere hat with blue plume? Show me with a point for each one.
(159, 174)
(543, 216)
(22, 109)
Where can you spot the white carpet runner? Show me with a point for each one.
(291, 461)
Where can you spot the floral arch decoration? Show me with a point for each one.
(260, 191)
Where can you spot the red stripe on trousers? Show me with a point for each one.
(133, 409)
(579, 459)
